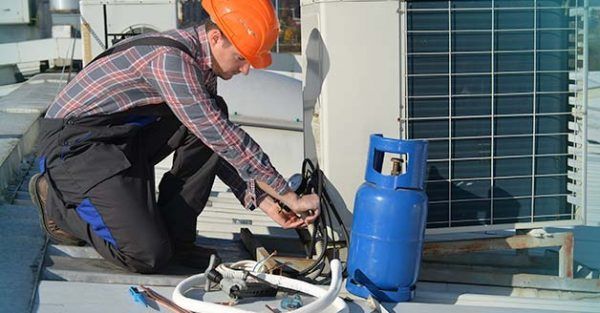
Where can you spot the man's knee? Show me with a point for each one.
(150, 258)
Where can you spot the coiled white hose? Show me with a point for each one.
(325, 298)
(236, 270)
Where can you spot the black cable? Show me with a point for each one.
(315, 181)
(338, 218)
(319, 262)
(325, 208)
(314, 273)
(321, 257)
(313, 240)
(319, 229)
(340, 221)
(329, 207)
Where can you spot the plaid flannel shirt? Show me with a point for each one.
(146, 75)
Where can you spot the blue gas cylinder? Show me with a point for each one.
(390, 211)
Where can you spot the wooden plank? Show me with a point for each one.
(514, 242)
(262, 255)
(496, 259)
(565, 260)
(298, 264)
(259, 252)
(563, 240)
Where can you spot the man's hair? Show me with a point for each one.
(210, 25)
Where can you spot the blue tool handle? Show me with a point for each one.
(138, 296)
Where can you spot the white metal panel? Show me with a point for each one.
(38, 50)
(287, 64)
(31, 50)
(593, 140)
(64, 5)
(284, 148)
(263, 94)
(159, 15)
(352, 73)
(14, 11)
(269, 98)
(10, 53)
(62, 31)
(592, 187)
(313, 64)
(589, 103)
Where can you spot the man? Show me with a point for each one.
(133, 106)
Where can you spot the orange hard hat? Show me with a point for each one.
(250, 25)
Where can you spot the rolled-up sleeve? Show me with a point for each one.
(179, 81)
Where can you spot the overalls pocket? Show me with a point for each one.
(94, 164)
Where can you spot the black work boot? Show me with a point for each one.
(191, 255)
(38, 191)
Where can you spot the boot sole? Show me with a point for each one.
(35, 198)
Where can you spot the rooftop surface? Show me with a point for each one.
(41, 277)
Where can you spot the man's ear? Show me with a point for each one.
(214, 35)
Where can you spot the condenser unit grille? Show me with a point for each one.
(489, 84)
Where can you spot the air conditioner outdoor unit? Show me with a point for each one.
(351, 86)
(14, 12)
(106, 22)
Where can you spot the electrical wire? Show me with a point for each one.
(320, 223)
(324, 226)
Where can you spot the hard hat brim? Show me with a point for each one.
(261, 61)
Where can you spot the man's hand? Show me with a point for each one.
(308, 206)
(285, 219)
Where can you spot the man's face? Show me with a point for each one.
(226, 60)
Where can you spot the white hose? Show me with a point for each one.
(236, 270)
(325, 298)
